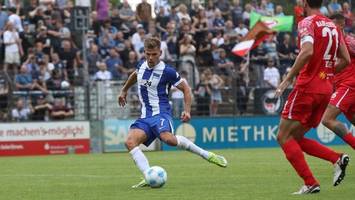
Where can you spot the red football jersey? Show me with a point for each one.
(317, 75)
(347, 76)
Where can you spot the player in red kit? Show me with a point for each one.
(343, 99)
(321, 47)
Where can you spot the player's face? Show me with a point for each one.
(152, 56)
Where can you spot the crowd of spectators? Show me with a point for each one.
(40, 51)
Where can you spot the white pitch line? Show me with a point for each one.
(64, 175)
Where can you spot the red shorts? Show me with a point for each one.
(344, 99)
(306, 108)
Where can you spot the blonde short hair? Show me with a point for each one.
(152, 43)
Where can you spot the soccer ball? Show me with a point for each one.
(156, 176)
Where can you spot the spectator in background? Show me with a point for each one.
(103, 74)
(205, 51)
(130, 64)
(218, 22)
(54, 83)
(4, 92)
(61, 110)
(3, 19)
(216, 83)
(271, 48)
(102, 9)
(258, 61)
(247, 11)
(138, 39)
(126, 13)
(200, 26)
(70, 56)
(114, 65)
(334, 7)
(27, 38)
(271, 75)
(21, 112)
(218, 40)
(116, 20)
(279, 11)
(285, 52)
(348, 16)
(59, 65)
(25, 82)
(241, 29)
(159, 4)
(15, 19)
(171, 40)
(183, 13)
(324, 10)
(298, 11)
(224, 65)
(237, 12)
(203, 96)
(161, 21)
(41, 109)
(93, 58)
(177, 97)
(144, 13)
(187, 55)
(13, 48)
(224, 7)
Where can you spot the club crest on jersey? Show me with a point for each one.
(156, 75)
(322, 75)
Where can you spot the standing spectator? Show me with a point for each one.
(187, 55)
(126, 13)
(144, 13)
(334, 7)
(298, 11)
(28, 38)
(15, 19)
(115, 19)
(138, 39)
(130, 64)
(224, 7)
(183, 13)
(200, 26)
(162, 4)
(279, 11)
(285, 52)
(4, 92)
(216, 83)
(224, 67)
(171, 40)
(348, 16)
(13, 48)
(3, 19)
(271, 74)
(177, 97)
(102, 8)
(247, 11)
(218, 22)
(205, 51)
(203, 96)
(114, 65)
(59, 65)
(218, 40)
(162, 20)
(237, 12)
(21, 112)
(103, 74)
(70, 56)
(259, 60)
(93, 58)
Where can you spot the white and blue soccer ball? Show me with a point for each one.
(156, 177)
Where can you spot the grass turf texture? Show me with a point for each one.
(252, 174)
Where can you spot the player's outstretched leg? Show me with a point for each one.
(184, 143)
(330, 121)
(134, 139)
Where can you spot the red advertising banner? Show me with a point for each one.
(44, 138)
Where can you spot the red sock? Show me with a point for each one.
(318, 150)
(350, 139)
(295, 156)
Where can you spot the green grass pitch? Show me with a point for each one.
(252, 174)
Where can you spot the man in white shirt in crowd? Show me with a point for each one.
(271, 74)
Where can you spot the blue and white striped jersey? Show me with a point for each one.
(153, 87)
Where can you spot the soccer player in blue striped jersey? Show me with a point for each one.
(154, 79)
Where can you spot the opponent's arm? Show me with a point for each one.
(344, 58)
(132, 79)
(302, 59)
(185, 88)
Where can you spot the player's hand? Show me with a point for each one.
(185, 116)
(122, 98)
(281, 88)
